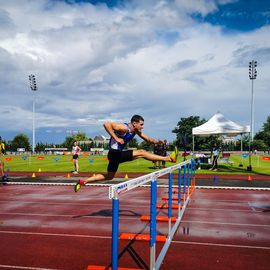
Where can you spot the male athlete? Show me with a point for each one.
(121, 134)
(2, 152)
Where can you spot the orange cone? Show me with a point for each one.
(249, 178)
(33, 175)
(68, 175)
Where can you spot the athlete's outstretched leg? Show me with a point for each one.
(153, 157)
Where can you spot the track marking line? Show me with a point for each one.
(25, 267)
(107, 185)
(56, 234)
(69, 216)
(223, 209)
(225, 223)
(220, 245)
(60, 203)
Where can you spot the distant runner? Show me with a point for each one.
(121, 134)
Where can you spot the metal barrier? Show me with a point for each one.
(186, 179)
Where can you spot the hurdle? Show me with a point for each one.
(185, 186)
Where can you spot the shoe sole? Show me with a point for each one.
(77, 187)
(175, 152)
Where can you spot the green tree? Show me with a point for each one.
(146, 146)
(133, 143)
(69, 140)
(259, 145)
(20, 141)
(264, 134)
(40, 147)
(183, 132)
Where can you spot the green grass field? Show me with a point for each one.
(99, 164)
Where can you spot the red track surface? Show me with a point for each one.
(51, 227)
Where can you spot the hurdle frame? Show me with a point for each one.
(186, 170)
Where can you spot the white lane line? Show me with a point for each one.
(236, 188)
(69, 216)
(56, 234)
(220, 245)
(56, 203)
(225, 223)
(107, 185)
(5, 266)
(64, 203)
(222, 209)
(132, 217)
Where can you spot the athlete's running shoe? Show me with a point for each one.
(174, 155)
(78, 185)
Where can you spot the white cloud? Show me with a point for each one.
(93, 63)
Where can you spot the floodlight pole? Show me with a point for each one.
(33, 87)
(252, 77)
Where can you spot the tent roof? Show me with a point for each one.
(219, 125)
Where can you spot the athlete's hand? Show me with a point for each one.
(159, 142)
(119, 140)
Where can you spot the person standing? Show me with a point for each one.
(121, 134)
(75, 157)
(2, 164)
(215, 154)
(165, 152)
(158, 150)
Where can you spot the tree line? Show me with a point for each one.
(183, 141)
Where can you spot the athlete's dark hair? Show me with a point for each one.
(136, 118)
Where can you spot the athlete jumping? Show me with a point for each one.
(121, 134)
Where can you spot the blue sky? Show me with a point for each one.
(107, 60)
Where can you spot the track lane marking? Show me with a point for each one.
(56, 234)
(220, 245)
(5, 266)
(108, 237)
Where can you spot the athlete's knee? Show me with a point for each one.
(141, 152)
(109, 175)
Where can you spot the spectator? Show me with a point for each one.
(75, 156)
(214, 154)
(165, 147)
(158, 150)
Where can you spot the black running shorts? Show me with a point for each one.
(117, 157)
(76, 156)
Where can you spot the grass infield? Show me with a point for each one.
(93, 163)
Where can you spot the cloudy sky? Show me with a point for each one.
(107, 60)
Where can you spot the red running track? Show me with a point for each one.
(53, 228)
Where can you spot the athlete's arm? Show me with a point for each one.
(148, 139)
(110, 127)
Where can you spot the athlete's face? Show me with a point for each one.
(138, 126)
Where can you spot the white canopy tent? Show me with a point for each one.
(219, 125)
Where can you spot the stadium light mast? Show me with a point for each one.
(252, 77)
(33, 87)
